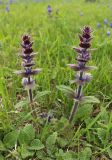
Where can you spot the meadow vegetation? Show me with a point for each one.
(49, 135)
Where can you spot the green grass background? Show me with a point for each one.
(54, 38)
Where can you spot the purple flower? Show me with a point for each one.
(98, 25)
(49, 9)
(105, 21)
(108, 33)
(7, 8)
(111, 25)
(10, 1)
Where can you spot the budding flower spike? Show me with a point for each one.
(28, 63)
(81, 77)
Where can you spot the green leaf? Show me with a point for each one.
(41, 94)
(89, 99)
(83, 112)
(2, 147)
(41, 155)
(11, 139)
(62, 142)
(109, 151)
(65, 155)
(85, 154)
(25, 153)
(36, 145)
(27, 134)
(1, 157)
(21, 104)
(51, 140)
(62, 123)
(101, 134)
(69, 92)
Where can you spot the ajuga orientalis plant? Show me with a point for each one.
(81, 76)
(27, 56)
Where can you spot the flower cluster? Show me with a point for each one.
(28, 63)
(83, 56)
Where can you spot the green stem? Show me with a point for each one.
(76, 103)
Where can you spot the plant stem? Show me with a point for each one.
(30, 93)
(76, 103)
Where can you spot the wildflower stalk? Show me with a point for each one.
(28, 63)
(75, 106)
(30, 93)
(81, 77)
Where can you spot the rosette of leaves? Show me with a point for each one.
(27, 56)
(81, 76)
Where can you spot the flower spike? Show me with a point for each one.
(27, 55)
(83, 56)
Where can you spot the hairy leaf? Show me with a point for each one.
(89, 99)
(25, 153)
(85, 154)
(109, 151)
(27, 134)
(41, 94)
(51, 140)
(36, 145)
(2, 147)
(101, 134)
(10, 140)
(69, 92)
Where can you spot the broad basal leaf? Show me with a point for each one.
(25, 153)
(51, 140)
(36, 145)
(86, 154)
(27, 134)
(1, 157)
(2, 147)
(11, 139)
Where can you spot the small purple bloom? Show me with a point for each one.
(49, 9)
(108, 33)
(105, 21)
(7, 9)
(111, 25)
(98, 25)
(10, 1)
